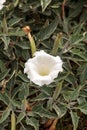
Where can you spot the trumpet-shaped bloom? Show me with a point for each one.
(1, 3)
(43, 68)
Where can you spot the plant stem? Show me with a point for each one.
(13, 121)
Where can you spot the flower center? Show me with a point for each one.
(44, 71)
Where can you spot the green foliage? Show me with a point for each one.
(64, 99)
(33, 122)
(5, 115)
(46, 32)
(44, 4)
(75, 119)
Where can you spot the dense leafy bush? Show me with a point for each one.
(59, 28)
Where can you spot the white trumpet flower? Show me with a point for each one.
(43, 68)
(1, 3)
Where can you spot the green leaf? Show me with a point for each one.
(79, 53)
(42, 112)
(83, 93)
(2, 66)
(82, 71)
(23, 45)
(5, 115)
(16, 103)
(5, 27)
(66, 25)
(16, 3)
(46, 90)
(23, 77)
(75, 93)
(81, 100)
(60, 110)
(33, 122)
(20, 117)
(56, 44)
(41, 97)
(83, 107)
(44, 4)
(14, 67)
(16, 33)
(57, 91)
(6, 41)
(4, 98)
(14, 21)
(75, 119)
(50, 103)
(46, 32)
(67, 95)
(78, 7)
(22, 53)
(4, 74)
(71, 79)
(24, 91)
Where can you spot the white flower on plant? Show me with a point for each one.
(1, 3)
(43, 68)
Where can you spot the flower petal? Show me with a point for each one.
(43, 68)
(1, 3)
